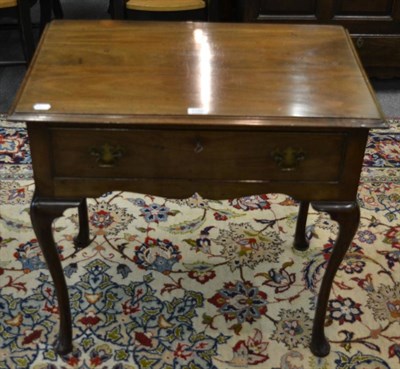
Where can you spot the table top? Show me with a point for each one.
(163, 72)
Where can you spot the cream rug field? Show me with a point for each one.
(201, 284)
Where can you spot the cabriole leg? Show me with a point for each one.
(347, 214)
(43, 212)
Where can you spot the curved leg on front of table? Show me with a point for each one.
(347, 214)
(43, 212)
(83, 238)
(300, 241)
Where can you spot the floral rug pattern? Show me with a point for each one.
(201, 284)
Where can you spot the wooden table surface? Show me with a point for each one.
(108, 71)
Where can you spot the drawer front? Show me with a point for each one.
(382, 50)
(198, 155)
(380, 55)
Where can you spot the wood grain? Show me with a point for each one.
(121, 70)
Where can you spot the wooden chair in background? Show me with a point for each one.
(164, 9)
(21, 10)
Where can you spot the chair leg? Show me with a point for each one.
(116, 9)
(46, 9)
(25, 24)
(57, 9)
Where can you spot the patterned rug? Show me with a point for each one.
(200, 284)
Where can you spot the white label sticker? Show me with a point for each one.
(193, 111)
(42, 106)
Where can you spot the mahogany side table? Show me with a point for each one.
(170, 109)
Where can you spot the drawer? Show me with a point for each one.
(380, 55)
(197, 155)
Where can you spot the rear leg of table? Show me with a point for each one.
(300, 240)
(83, 238)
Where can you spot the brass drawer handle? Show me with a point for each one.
(288, 159)
(360, 42)
(107, 155)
